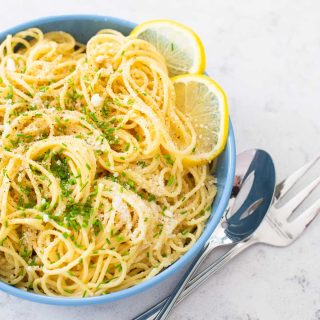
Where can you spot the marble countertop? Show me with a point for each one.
(266, 55)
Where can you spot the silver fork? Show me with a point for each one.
(275, 230)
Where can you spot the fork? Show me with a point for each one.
(275, 230)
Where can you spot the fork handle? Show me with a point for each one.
(199, 279)
(204, 275)
(171, 300)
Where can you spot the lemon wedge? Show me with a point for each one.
(181, 47)
(203, 101)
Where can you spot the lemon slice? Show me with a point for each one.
(203, 101)
(181, 47)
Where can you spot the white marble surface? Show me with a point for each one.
(266, 55)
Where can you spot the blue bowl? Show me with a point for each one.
(83, 27)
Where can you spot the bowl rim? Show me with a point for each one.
(230, 150)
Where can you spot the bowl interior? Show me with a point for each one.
(83, 27)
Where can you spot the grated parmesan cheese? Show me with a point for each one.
(9, 103)
(122, 208)
(37, 100)
(11, 65)
(6, 129)
(169, 226)
(99, 59)
(96, 100)
(20, 176)
(168, 213)
(100, 185)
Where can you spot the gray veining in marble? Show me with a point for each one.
(266, 55)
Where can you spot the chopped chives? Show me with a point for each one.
(170, 181)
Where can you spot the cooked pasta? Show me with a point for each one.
(95, 196)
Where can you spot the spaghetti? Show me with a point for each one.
(94, 194)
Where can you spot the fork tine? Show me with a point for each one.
(286, 185)
(305, 218)
(293, 203)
